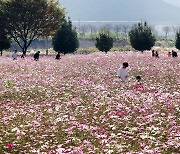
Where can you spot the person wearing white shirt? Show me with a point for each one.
(14, 55)
(123, 71)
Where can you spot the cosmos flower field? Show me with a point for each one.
(78, 105)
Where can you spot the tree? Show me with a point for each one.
(175, 29)
(4, 43)
(104, 42)
(177, 43)
(117, 30)
(27, 20)
(166, 29)
(125, 29)
(66, 40)
(141, 37)
(83, 30)
(92, 30)
(106, 29)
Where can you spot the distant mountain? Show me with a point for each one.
(153, 11)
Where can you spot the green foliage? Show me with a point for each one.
(9, 83)
(177, 43)
(125, 48)
(27, 20)
(141, 37)
(66, 40)
(104, 42)
(86, 50)
(4, 40)
(4, 43)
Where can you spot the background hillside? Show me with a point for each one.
(154, 11)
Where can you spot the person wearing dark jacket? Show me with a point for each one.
(156, 54)
(36, 56)
(174, 53)
(58, 56)
(153, 53)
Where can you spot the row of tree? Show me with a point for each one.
(66, 41)
(141, 38)
(116, 30)
(24, 21)
(119, 30)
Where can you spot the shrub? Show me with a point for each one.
(104, 42)
(86, 50)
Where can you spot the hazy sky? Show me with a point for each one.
(173, 2)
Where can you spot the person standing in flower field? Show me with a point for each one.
(169, 54)
(123, 71)
(36, 56)
(153, 53)
(14, 55)
(156, 54)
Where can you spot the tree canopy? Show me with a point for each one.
(177, 43)
(4, 43)
(141, 37)
(27, 20)
(104, 42)
(65, 40)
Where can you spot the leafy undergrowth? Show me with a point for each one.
(78, 105)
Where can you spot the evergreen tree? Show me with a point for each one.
(66, 40)
(177, 43)
(141, 37)
(104, 42)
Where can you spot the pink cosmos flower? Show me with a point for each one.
(138, 88)
(10, 145)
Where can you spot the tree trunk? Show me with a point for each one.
(24, 50)
(46, 51)
(47, 46)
